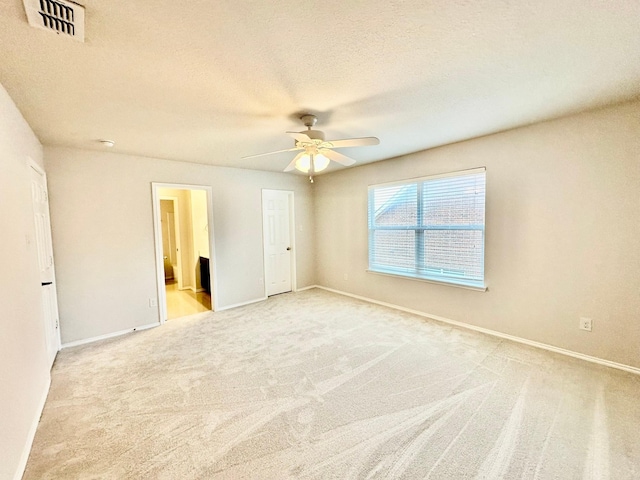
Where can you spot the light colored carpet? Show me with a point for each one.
(315, 385)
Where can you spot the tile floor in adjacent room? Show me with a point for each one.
(181, 303)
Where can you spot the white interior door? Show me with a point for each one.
(278, 247)
(42, 220)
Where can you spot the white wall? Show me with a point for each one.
(103, 234)
(24, 374)
(562, 233)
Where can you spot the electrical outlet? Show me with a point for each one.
(346, 276)
(153, 302)
(585, 324)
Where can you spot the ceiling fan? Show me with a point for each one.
(316, 152)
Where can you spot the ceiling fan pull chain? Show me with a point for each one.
(312, 166)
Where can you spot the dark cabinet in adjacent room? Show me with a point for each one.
(205, 281)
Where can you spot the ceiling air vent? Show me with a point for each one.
(59, 16)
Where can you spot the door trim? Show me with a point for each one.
(157, 233)
(292, 237)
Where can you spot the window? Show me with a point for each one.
(430, 228)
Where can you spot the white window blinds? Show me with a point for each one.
(430, 228)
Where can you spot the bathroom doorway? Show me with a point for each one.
(185, 263)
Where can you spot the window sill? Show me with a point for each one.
(426, 280)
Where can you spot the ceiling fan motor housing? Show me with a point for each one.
(309, 120)
(314, 134)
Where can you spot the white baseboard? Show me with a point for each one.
(109, 335)
(32, 432)
(242, 304)
(531, 343)
(262, 299)
(306, 288)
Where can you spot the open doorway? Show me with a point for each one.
(184, 249)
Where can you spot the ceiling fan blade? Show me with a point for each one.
(354, 142)
(301, 137)
(337, 157)
(271, 153)
(292, 165)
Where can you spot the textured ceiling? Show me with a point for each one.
(212, 81)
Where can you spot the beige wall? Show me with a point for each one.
(200, 232)
(199, 223)
(186, 237)
(562, 233)
(103, 234)
(168, 233)
(23, 361)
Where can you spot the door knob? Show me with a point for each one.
(288, 248)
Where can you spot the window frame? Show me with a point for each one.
(420, 271)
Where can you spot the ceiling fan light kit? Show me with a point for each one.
(315, 152)
(320, 162)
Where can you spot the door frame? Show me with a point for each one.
(31, 164)
(292, 238)
(178, 235)
(157, 232)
